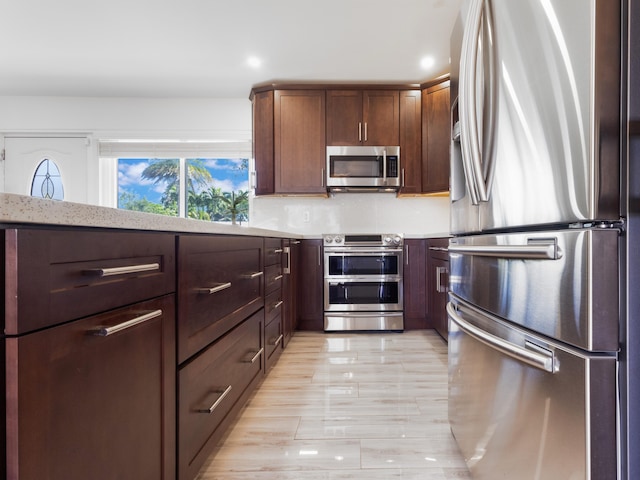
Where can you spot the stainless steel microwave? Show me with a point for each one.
(358, 168)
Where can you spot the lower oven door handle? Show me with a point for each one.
(535, 359)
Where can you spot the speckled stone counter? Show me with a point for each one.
(22, 209)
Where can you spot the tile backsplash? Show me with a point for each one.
(352, 213)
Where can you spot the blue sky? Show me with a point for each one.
(223, 171)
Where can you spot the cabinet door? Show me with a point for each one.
(381, 117)
(86, 402)
(436, 138)
(438, 284)
(310, 289)
(415, 271)
(411, 141)
(263, 142)
(344, 117)
(299, 136)
(289, 290)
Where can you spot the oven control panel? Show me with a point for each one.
(363, 240)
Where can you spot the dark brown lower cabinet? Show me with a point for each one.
(414, 274)
(310, 288)
(438, 284)
(94, 398)
(213, 387)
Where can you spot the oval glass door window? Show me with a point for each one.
(47, 181)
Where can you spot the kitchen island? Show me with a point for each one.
(131, 340)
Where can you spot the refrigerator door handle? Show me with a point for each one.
(470, 142)
(540, 358)
(534, 251)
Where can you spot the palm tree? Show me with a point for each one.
(235, 206)
(168, 170)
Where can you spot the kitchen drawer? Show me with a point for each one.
(272, 278)
(86, 400)
(53, 276)
(220, 283)
(273, 306)
(272, 341)
(438, 248)
(209, 387)
(272, 251)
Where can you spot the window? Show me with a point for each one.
(215, 189)
(47, 181)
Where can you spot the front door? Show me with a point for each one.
(66, 168)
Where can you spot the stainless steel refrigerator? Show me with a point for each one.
(538, 267)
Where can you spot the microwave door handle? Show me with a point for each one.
(384, 165)
(536, 358)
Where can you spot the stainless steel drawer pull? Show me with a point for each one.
(543, 361)
(440, 285)
(253, 275)
(541, 251)
(106, 331)
(217, 288)
(223, 394)
(277, 250)
(279, 277)
(287, 270)
(439, 249)
(108, 272)
(278, 340)
(278, 305)
(256, 356)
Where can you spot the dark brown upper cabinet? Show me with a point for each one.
(363, 117)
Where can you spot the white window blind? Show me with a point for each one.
(160, 149)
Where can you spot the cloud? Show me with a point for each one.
(130, 173)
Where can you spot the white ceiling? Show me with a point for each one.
(199, 48)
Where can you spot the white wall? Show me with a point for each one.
(353, 213)
(216, 119)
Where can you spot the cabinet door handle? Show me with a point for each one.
(402, 184)
(322, 179)
(287, 269)
(217, 288)
(108, 272)
(440, 287)
(106, 331)
(279, 277)
(406, 254)
(359, 131)
(253, 275)
(278, 340)
(256, 356)
(223, 394)
(365, 132)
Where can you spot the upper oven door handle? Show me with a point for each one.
(385, 251)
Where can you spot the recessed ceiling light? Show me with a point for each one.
(427, 62)
(254, 62)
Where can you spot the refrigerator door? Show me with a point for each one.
(563, 284)
(539, 110)
(522, 407)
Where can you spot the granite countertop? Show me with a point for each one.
(22, 209)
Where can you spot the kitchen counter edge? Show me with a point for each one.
(22, 209)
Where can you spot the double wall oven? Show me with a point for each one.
(363, 282)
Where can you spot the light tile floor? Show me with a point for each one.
(346, 406)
